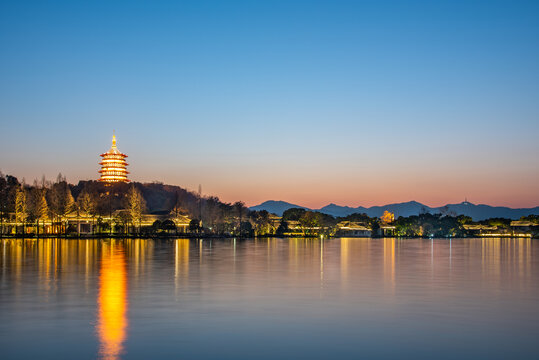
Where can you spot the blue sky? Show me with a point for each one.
(353, 102)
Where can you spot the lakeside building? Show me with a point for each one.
(524, 228)
(386, 230)
(275, 221)
(353, 229)
(481, 230)
(295, 228)
(517, 228)
(113, 165)
(85, 224)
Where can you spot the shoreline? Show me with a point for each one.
(212, 236)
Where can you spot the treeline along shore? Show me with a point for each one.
(94, 209)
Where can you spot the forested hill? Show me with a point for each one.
(158, 197)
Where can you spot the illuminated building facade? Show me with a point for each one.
(113, 165)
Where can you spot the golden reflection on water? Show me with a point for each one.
(112, 301)
(345, 248)
(389, 262)
(181, 262)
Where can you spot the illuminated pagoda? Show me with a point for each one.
(113, 165)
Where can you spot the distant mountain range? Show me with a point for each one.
(476, 211)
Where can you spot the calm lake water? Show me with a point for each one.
(269, 299)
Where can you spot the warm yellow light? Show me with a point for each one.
(112, 303)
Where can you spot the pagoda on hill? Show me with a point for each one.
(113, 165)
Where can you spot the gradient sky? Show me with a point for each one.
(351, 102)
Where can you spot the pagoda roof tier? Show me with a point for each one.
(109, 153)
(110, 179)
(111, 163)
(103, 171)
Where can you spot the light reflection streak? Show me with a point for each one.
(112, 302)
(181, 260)
(450, 256)
(321, 266)
(389, 262)
(345, 244)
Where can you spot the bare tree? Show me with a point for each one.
(21, 209)
(135, 206)
(39, 209)
(240, 208)
(88, 206)
(61, 202)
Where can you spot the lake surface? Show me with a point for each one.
(269, 299)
